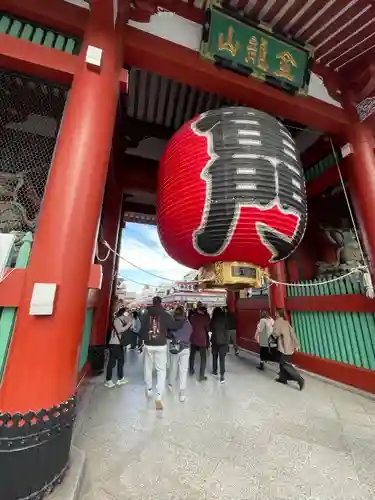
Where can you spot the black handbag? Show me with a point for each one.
(175, 347)
(272, 342)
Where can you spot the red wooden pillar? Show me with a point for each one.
(277, 292)
(231, 301)
(361, 179)
(41, 368)
(110, 231)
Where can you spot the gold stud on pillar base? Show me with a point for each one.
(230, 275)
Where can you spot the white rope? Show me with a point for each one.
(97, 255)
(105, 243)
(307, 285)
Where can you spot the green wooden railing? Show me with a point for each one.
(86, 338)
(340, 336)
(8, 314)
(346, 337)
(321, 166)
(35, 33)
(343, 286)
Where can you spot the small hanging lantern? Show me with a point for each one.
(231, 195)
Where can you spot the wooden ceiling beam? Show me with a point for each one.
(139, 208)
(137, 174)
(165, 58)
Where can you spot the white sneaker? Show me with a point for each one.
(149, 393)
(122, 381)
(182, 397)
(170, 387)
(109, 384)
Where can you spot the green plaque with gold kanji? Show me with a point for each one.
(255, 51)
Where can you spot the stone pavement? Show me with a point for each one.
(248, 439)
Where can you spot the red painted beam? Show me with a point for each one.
(319, 150)
(254, 304)
(165, 58)
(43, 62)
(329, 179)
(334, 303)
(56, 14)
(11, 287)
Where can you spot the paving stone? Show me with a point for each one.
(248, 439)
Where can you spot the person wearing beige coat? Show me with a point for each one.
(287, 344)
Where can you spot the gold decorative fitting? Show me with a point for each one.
(233, 275)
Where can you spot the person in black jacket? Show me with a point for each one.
(231, 326)
(219, 341)
(155, 323)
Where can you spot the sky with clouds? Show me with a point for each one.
(141, 246)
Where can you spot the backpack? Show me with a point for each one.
(154, 328)
(125, 338)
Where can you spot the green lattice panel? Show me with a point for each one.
(40, 35)
(340, 336)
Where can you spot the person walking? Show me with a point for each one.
(219, 341)
(136, 326)
(179, 349)
(121, 324)
(155, 323)
(287, 344)
(200, 322)
(232, 329)
(262, 336)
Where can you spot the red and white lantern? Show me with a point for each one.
(231, 188)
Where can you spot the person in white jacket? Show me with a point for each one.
(263, 332)
(121, 324)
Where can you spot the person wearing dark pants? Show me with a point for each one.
(203, 354)
(219, 341)
(116, 355)
(219, 353)
(287, 344)
(121, 324)
(200, 322)
(289, 372)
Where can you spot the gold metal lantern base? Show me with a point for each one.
(230, 275)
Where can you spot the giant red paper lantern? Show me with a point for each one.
(231, 188)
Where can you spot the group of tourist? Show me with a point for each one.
(170, 342)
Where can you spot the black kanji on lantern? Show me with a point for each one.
(253, 163)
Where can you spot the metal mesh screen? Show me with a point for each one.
(30, 115)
